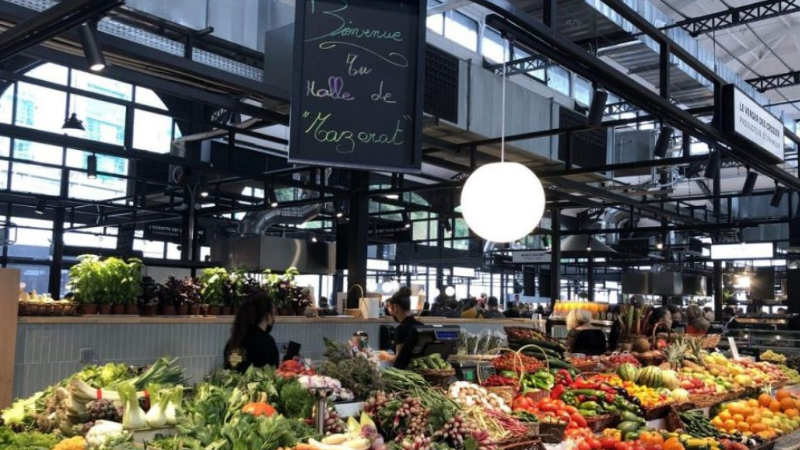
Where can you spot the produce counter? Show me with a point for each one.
(49, 349)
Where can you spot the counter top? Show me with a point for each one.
(123, 319)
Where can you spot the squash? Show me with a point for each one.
(259, 409)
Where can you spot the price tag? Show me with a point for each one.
(734, 350)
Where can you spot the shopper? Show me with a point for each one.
(661, 318)
(399, 307)
(511, 311)
(708, 313)
(471, 309)
(493, 311)
(583, 337)
(696, 322)
(729, 318)
(677, 317)
(251, 343)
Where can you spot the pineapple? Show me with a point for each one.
(694, 349)
(675, 353)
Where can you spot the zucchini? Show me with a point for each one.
(557, 347)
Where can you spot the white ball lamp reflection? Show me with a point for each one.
(372, 286)
(449, 291)
(502, 202)
(436, 292)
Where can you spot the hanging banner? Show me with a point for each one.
(357, 91)
(748, 120)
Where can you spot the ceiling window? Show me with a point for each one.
(435, 22)
(462, 30)
(583, 91)
(558, 79)
(493, 45)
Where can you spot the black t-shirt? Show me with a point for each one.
(511, 313)
(403, 330)
(258, 349)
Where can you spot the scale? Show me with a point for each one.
(468, 370)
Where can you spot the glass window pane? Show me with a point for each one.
(105, 163)
(462, 30)
(32, 243)
(5, 146)
(40, 108)
(89, 240)
(36, 151)
(104, 121)
(583, 91)
(435, 22)
(173, 252)
(558, 79)
(37, 179)
(3, 174)
(147, 97)
(493, 45)
(36, 278)
(102, 188)
(102, 85)
(6, 104)
(149, 249)
(49, 72)
(152, 132)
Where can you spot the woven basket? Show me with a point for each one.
(673, 422)
(659, 412)
(437, 377)
(520, 444)
(711, 341)
(552, 433)
(708, 400)
(47, 309)
(600, 423)
(507, 393)
(585, 367)
(766, 446)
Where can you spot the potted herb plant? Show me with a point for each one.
(191, 295)
(86, 283)
(288, 298)
(148, 302)
(123, 286)
(170, 296)
(213, 286)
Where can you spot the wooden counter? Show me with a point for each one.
(49, 349)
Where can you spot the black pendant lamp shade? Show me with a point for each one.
(584, 246)
(663, 142)
(91, 49)
(91, 167)
(597, 108)
(777, 197)
(73, 126)
(749, 183)
(712, 166)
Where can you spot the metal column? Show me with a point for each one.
(555, 261)
(717, 264)
(357, 235)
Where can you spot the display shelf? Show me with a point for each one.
(124, 319)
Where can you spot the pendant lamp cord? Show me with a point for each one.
(503, 112)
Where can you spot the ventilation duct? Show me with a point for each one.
(257, 223)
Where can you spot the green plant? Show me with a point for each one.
(213, 285)
(86, 280)
(122, 280)
(112, 281)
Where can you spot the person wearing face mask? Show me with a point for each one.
(251, 343)
(399, 307)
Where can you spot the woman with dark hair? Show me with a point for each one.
(399, 307)
(661, 318)
(251, 343)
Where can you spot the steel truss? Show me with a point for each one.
(738, 16)
(769, 82)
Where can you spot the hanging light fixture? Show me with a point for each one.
(749, 183)
(449, 291)
(338, 207)
(712, 166)
(406, 220)
(73, 126)
(663, 142)
(41, 205)
(490, 199)
(597, 108)
(91, 49)
(272, 198)
(447, 226)
(204, 187)
(91, 167)
(777, 197)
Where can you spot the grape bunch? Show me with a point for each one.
(411, 417)
(418, 443)
(455, 431)
(376, 403)
(103, 410)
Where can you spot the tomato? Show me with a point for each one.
(570, 409)
(559, 404)
(578, 419)
(609, 443)
(594, 443)
(548, 407)
(563, 415)
(621, 446)
(584, 446)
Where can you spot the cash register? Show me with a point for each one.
(424, 340)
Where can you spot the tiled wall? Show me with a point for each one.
(47, 353)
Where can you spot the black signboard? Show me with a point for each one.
(358, 84)
(389, 231)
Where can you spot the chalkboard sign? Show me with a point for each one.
(357, 93)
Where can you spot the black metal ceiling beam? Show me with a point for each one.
(518, 66)
(546, 41)
(649, 163)
(781, 80)
(735, 17)
(50, 23)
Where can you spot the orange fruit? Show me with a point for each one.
(758, 427)
(782, 394)
(775, 406)
(792, 413)
(738, 418)
(787, 403)
(764, 400)
(735, 408)
(767, 413)
(766, 435)
(753, 403)
(743, 426)
(755, 418)
(730, 425)
(717, 422)
(725, 415)
(747, 411)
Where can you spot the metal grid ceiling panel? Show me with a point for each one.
(590, 147)
(441, 84)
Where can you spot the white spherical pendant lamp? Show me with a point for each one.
(502, 202)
